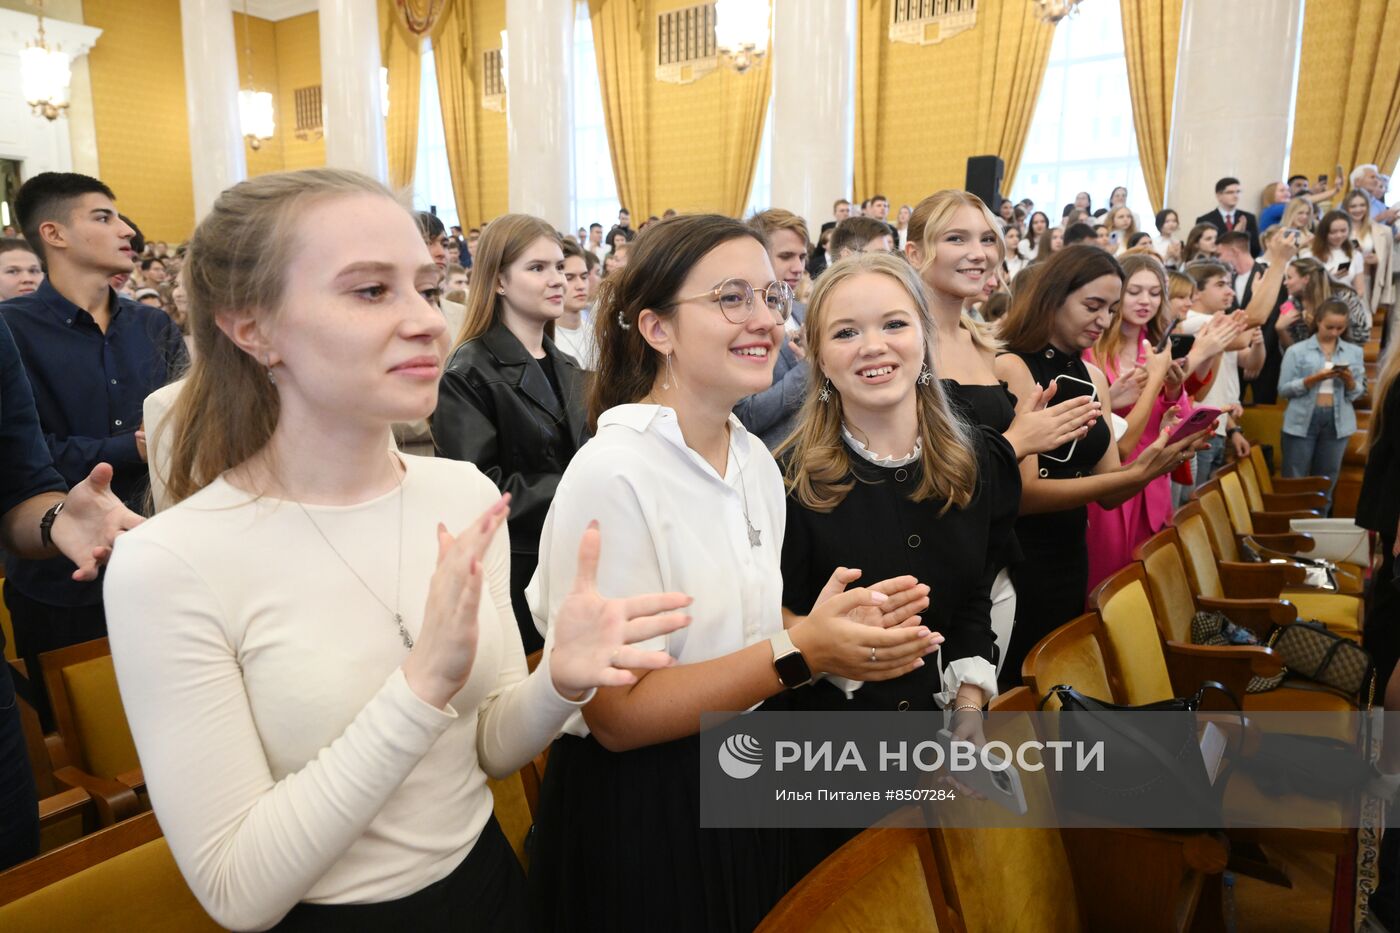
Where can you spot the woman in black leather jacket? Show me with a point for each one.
(510, 401)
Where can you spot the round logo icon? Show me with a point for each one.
(740, 756)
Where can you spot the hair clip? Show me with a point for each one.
(622, 321)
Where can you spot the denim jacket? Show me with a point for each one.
(1302, 360)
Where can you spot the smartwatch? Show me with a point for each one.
(46, 523)
(791, 667)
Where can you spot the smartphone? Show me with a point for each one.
(1322, 181)
(1343, 267)
(1166, 336)
(1000, 782)
(1068, 387)
(1196, 422)
(1181, 345)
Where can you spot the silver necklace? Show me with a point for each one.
(754, 533)
(398, 575)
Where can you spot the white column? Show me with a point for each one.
(350, 88)
(1224, 124)
(814, 116)
(540, 108)
(211, 96)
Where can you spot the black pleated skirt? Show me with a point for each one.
(1050, 582)
(618, 847)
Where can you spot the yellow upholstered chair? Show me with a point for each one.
(121, 879)
(1208, 539)
(1072, 654)
(95, 749)
(1282, 485)
(1263, 424)
(513, 812)
(1262, 499)
(65, 813)
(886, 878)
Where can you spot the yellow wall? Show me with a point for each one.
(488, 19)
(138, 96)
(261, 38)
(298, 65)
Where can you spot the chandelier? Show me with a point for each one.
(44, 74)
(255, 114)
(741, 32)
(1052, 11)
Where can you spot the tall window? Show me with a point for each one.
(1082, 136)
(761, 193)
(595, 187)
(432, 180)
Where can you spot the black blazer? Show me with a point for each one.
(1217, 220)
(496, 409)
(1378, 507)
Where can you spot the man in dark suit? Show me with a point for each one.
(1227, 216)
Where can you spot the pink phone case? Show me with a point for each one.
(1196, 422)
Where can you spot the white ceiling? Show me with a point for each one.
(276, 9)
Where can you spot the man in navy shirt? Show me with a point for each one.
(92, 357)
(37, 521)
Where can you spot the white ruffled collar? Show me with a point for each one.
(891, 462)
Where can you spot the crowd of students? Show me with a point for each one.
(719, 467)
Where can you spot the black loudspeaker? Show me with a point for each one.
(984, 179)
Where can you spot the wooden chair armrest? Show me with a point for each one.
(59, 807)
(1287, 485)
(133, 779)
(1292, 543)
(1294, 501)
(1278, 523)
(1260, 616)
(114, 800)
(1242, 580)
(1190, 665)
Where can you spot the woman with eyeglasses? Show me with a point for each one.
(684, 494)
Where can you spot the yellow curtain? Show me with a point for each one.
(1015, 49)
(1348, 106)
(1151, 34)
(399, 50)
(618, 32)
(873, 21)
(745, 99)
(458, 65)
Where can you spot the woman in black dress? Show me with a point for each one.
(1378, 509)
(1068, 306)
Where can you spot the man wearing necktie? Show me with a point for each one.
(1227, 216)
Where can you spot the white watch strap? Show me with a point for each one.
(782, 644)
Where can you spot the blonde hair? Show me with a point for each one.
(1180, 285)
(1110, 344)
(930, 219)
(1385, 384)
(1127, 232)
(774, 219)
(1294, 208)
(237, 265)
(1319, 287)
(502, 243)
(819, 469)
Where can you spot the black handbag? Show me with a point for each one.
(1154, 775)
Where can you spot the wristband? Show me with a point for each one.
(1231, 432)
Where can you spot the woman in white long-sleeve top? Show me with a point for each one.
(318, 674)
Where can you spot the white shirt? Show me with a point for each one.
(286, 756)
(670, 523)
(580, 343)
(1224, 391)
(160, 437)
(1333, 265)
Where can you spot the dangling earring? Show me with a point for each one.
(925, 375)
(670, 374)
(825, 394)
(267, 365)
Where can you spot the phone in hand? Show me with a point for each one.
(1166, 336)
(1322, 180)
(1181, 345)
(1068, 387)
(1199, 420)
(1000, 783)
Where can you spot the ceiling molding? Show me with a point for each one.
(17, 29)
(275, 10)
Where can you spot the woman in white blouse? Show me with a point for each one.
(686, 496)
(319, 676)
(1376, 242)
(1332, 246)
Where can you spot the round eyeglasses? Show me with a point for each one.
(735, 298)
